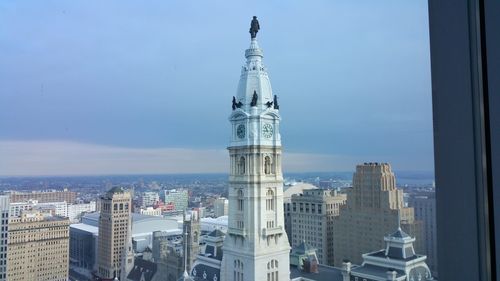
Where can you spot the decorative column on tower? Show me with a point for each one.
(256, 246)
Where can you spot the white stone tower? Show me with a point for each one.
(256, 246)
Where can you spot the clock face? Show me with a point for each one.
(267, 130)
(240, 131)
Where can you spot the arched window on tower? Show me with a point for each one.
(267, 165)
(240, 200)
(238, 270)
(272, 270)
(241, 166)
(270, 200)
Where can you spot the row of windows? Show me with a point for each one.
(269, 168)
(270, 202)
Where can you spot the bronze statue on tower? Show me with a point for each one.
(254, 27)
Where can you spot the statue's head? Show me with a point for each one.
(254, 17)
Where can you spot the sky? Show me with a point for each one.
(131, 87)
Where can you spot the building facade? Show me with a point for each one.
(75, 211)
(312, 217)
(83, 245)
(289, 191)
(192, 232)
(4, 233)
(114, 232)
(425, 211)
(221, 207)
(178, 197)
(256, 236)
(44, 196)
(374, 208)
(149, 198)
(38, 248)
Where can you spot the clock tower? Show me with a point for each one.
(256, 246)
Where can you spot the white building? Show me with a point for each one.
(221, 207)
(397, 262)
(59, 208)
(150, 211)
(208, 225)
(63, 209)
(76, 210)
(256, 245)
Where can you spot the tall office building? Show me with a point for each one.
(312, 215)
(425, 211)
(4, 209)
(38, 248)
(374, 207)
(114, 233)
(256, 246)
(177, 197)
(221, 207)
(149, 198)
(289, 191)
(192, 233)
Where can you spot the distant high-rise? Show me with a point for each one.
(425, 211)
(374, 207)
(114, 232)
(38, 248)
(178, 197)
(312, 215)
(149, 198)
(221, 207)
(4, 209)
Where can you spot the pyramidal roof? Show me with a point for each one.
(399, 234)
(254, 80)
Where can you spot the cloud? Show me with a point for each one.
(35, 158)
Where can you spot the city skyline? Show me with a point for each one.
(110, 91)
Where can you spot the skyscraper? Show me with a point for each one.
(312, 216)
(374, 208)
(114, 233)
(4, 209)
(425, 210)
(178, 197)
(38, 248)
(220, 207)
(256, 246)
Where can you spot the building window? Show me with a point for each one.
(272, 270)
(267, 165)
(270, 200)
(241, 166)
(240, 200)
(238, 270)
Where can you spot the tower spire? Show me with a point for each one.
(254, 244)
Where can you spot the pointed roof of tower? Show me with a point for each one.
(254, 88)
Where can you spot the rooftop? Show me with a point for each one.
(325, 273)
